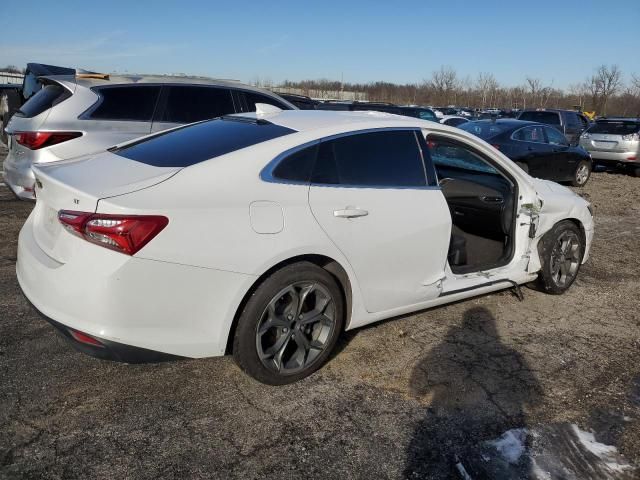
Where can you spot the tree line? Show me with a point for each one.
(604, 92)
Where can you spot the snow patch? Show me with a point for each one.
(607, 453)
(511, 445)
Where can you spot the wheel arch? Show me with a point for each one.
(327, 263)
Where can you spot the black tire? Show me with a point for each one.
(248, 340)
(523, 166)
(581, 174)
(634, 171)
(550, 280)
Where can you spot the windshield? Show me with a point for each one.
(202, 141)
(484, 130)
(550, 118)
(615, 128)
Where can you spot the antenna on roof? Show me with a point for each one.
(264, 108)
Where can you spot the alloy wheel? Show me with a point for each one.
(565, 258)
(582, 174)
(295, 327)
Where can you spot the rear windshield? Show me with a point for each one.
(46, 98)
(201, 141)
(615, 128)
(484, 130)
(549, 118)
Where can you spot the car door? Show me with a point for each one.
(180, 104)
(370, 195)
(532, 149)
(563, 159)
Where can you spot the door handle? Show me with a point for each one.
(350, 213)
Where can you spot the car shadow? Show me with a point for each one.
(475, 388)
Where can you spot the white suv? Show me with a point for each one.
(75, 115)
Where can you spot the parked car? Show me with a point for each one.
(75, 115)
(13, 96)
(453, 120)
(408, 110)
(540, 150)
(300, 101)
(569, 122)
(253, 234)
(614, 142)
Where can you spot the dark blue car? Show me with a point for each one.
(540, 150)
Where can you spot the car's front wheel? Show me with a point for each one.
(289, 325)
(561, 251)
(581, 174)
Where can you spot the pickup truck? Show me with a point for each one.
(569, 122)
(14, 95)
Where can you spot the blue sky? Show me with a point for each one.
(401, 41)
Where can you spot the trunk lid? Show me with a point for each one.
(79, 185)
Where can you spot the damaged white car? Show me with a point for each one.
(268, 234)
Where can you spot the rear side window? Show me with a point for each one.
(615, 128)
(202, 141)
(375, 159)
(46, 98)
(427, 115)
(529, 134)
(297, 166)
(135, 102)
(550, 118)
(187, 104)
(555, 137)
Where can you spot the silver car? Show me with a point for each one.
(74, 115)
(614, 141)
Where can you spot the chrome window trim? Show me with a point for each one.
(266, 174)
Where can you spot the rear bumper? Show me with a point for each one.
(130, 302)
(614, 157)
(19, 177)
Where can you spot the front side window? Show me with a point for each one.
(251, 98)
(448, 154)
(188, 104)
(484, 129)
(529, 134)
(555, 137)
(131, 102)
(573, 121)
(375, 159)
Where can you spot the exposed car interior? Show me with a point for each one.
(481, 200)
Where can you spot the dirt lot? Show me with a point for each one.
(407, 398)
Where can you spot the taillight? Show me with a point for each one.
(122, 233)
(36, 140)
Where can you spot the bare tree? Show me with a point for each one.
(445, 83)
(534, 85)
(606, 82)
(486, 85)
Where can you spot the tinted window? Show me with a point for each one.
(573, 121)
(427, 115)
(187, 104)
(252, 98)
(31, 85)
(555, 137)
(454, 122)
(615, 128)
(376, 159)
(196, 143)
(529, 134)
(46, 98)
(484, 130)
(126, 103)
(550, 118)
(298, 166)
(453, 155)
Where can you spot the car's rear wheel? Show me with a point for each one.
(634, 171)
(581, 174)
(561, 250)
(289, 325)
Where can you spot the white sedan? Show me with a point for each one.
(267, 235)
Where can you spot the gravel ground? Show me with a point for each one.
(401, 399)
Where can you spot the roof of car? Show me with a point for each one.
(508, 122)
(307, 120)
(618, 119)
(96, 81)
